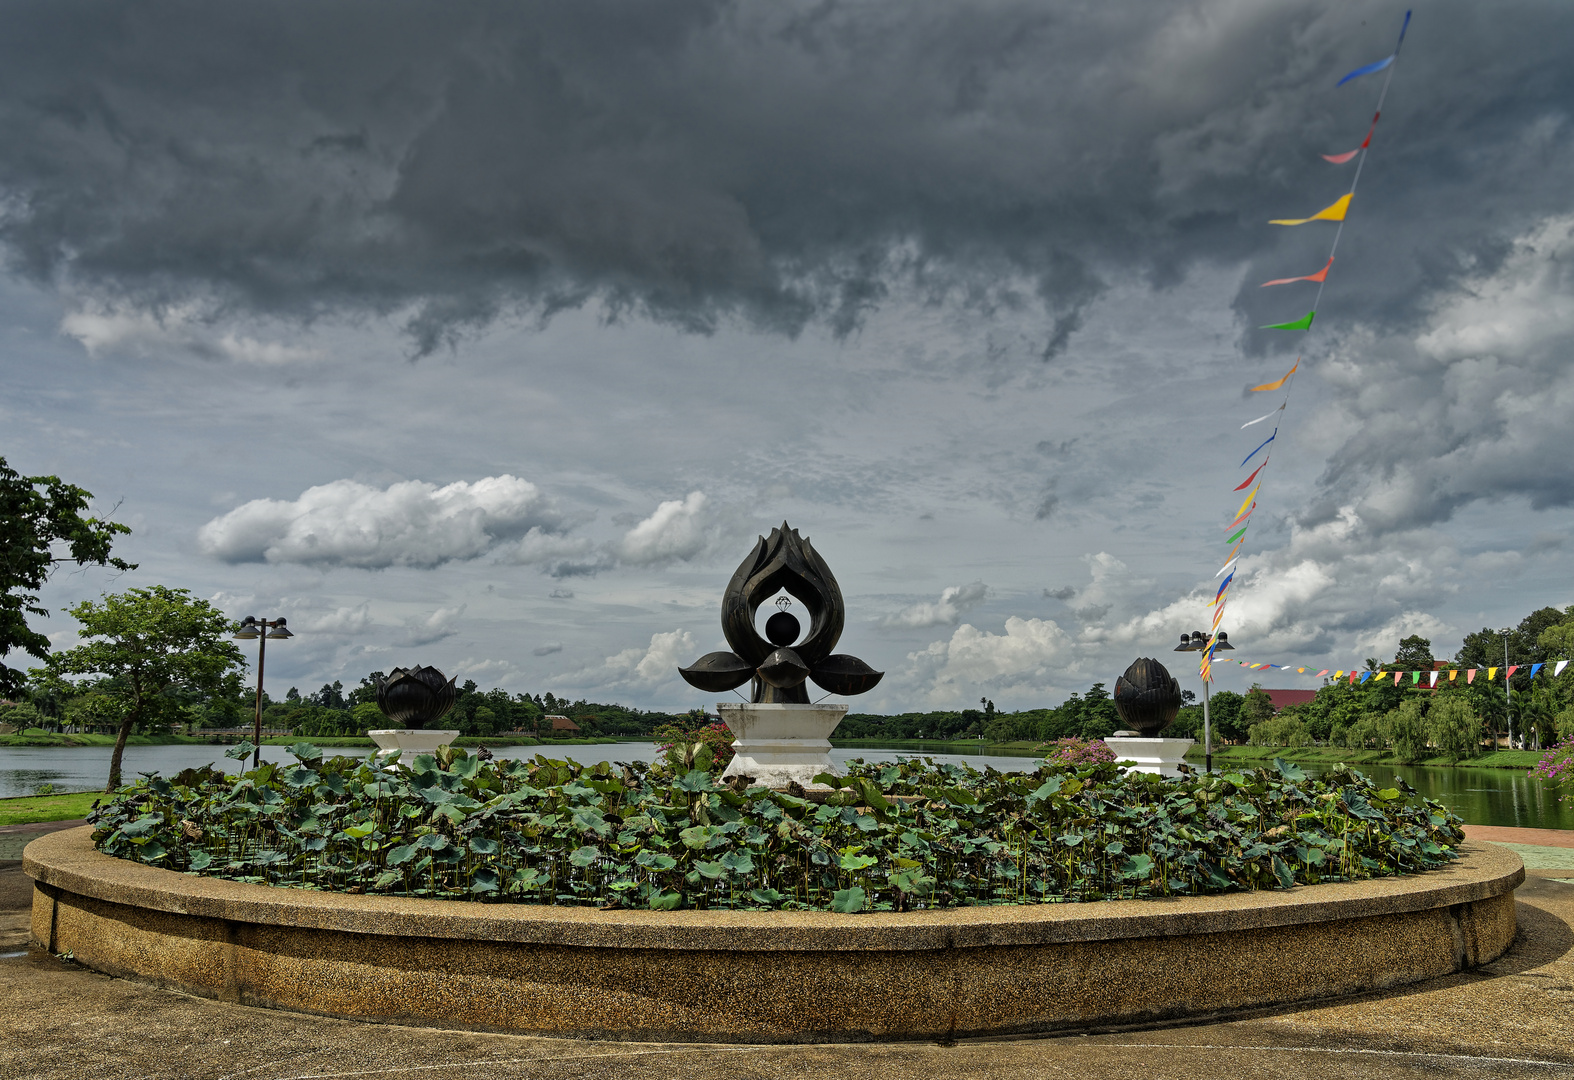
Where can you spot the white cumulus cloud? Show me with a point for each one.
(348, 523)
(1030, 653)
(954, 602)
(674, 531)
(639, 667)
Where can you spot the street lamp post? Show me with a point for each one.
(1508, 690)
(260, 629)
(1197, 641)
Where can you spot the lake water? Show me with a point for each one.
(1479, 796)
(86, 768)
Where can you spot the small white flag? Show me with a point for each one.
(1434, 678)
(1559, 669)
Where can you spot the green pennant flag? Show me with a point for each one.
(1415, 677)
(1303, 323)
(1238, 535)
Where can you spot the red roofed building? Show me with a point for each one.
(1281, 698)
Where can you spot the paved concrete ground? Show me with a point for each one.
(1514, 1018)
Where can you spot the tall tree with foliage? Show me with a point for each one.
(41, 525)
(149, 645)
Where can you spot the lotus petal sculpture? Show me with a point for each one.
(416, 697)
(782, 562)
(1147, 697)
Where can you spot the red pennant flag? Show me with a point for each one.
(1249, 479)
(1320, 276)
(1340, 159)
(1511, 671)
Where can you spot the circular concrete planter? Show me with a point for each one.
(719, 976)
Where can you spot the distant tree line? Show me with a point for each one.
(1458, 718)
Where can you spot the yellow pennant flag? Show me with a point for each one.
(1280, 382)
(1452, 672)
(1491, 673)
(1249, 499)
(1335, 212)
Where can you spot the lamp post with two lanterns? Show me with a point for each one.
(1197, 641)
(261, 630)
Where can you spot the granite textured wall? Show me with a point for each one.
(766, 976)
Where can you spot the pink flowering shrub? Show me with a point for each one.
(1074, 752)
(1556, 766)
(676, 743)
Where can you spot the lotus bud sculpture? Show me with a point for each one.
(1147, 697)
(416, 697)
(779, 664)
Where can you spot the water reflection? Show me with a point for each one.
(1479, 796)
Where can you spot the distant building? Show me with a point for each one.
(562, 723)
(1281, 698)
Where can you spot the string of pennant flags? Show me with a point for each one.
(1335, 212)
(1358, 677)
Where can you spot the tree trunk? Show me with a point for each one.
(120, 749)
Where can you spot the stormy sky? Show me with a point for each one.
(491, 336)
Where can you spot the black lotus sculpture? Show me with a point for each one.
(416, 697)
(783, 561)
(1147, 697)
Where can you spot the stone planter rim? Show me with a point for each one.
(66, 860)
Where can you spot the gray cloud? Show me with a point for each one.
(440, 624)
(547, 649)
(697, 160)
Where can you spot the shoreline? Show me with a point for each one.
(1338, 755)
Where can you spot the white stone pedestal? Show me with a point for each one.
(781, 744)
(410, 741)
(1162, 756)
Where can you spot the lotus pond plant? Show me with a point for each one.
(902, 836)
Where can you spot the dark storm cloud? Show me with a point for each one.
(782, 163)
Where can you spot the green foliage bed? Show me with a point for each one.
(898, 837)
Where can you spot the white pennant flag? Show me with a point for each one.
(1559, 669)
(1264, 416)
(1434, 678)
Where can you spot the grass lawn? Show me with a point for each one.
(31, 808)
(1333, 755)
(40, 737)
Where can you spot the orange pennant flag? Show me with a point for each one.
(1279, 383)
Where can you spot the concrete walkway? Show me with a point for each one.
(13, 838)
(1514, 1018)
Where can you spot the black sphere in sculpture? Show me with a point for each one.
(417, 697)
(782, 562)
(1147, 697)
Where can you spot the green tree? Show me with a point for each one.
(150, 644)
(1415, 654)
(1405, 729)
(1224, 715)
(37, 513)
(1257, 707)
(1453, 725)
(1099, 718)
